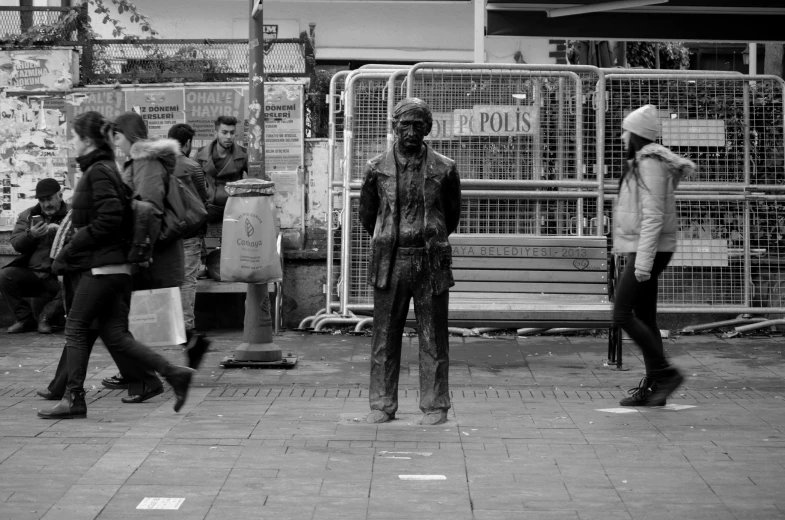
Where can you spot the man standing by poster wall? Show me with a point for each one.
(223, 161)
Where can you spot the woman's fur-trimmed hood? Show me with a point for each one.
(678, 166)
(161, 149)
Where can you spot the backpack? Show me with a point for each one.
(142, 225)
(184, 211)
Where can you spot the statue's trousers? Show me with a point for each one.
(410, 279)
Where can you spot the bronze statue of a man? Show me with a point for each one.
(410, 203)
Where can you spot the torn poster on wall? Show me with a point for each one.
(39, 69)
(33, 146)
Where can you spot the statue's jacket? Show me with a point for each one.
(379, 215)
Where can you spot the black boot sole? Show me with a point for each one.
(136, 399)
(49, 397)
(78, 416)
(115, 386)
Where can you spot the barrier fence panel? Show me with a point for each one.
(529, 145)
(367, 135)
(559, 95)
(729, 246)
(730, 126)
(506, 157)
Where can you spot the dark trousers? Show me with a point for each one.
(410, 279)
(104, 300)
(635, 310)
(18, 283)
(140, 380)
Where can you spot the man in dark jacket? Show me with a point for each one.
(223, 161)
(192, 176)
(410, 203)
(30, 275)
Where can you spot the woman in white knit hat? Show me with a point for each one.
(645, 225)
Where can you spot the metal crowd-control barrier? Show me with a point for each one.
(335, 309)
(732, 211)
(522, 197)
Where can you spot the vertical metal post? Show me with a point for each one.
(600, 144)
(257, 342)
(83, 35)
(561, 206)
(346, 232)
(747, 180)
(537, 157)
(479, 31)
(579, 163)
(332, 111)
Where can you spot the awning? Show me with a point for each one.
(682, 20)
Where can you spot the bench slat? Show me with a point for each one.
(527, 241)
(461, 298)
(523, 313)
(526, 252)
(520, 264)
(480, 275)
(511, 287)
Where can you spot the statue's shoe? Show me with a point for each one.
(378, 417)
(434, 418)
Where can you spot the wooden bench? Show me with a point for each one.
(509, 281)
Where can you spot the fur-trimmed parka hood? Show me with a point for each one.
(678, 166)
(145, 155)
(155, 149)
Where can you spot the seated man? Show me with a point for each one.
(30, 275)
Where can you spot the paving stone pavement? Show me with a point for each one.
(534, 433)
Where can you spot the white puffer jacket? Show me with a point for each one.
(645, 220)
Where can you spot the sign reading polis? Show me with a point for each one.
(486, 120)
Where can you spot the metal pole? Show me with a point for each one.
(579, 164)
(747, 180)
(333, 101)
(257, 342)
(600, 144)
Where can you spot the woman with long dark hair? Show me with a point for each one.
(146, 171)
(645, 228)
(96, 257)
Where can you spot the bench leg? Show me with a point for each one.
(615, 347)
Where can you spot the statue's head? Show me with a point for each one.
(412, 121)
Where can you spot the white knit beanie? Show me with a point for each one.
(643, 122)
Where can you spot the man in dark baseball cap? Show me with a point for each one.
(30, 275)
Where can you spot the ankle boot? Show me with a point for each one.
(196, 348)
(668, 380)
(71, 406)
(180, 379)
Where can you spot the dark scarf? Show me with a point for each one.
(85, 161)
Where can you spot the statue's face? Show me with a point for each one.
(411, 129)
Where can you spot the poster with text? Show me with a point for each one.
(159, 108)
(39, 69)
(33, 146)
(283, 128)
(204, 105)
(108, 103)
